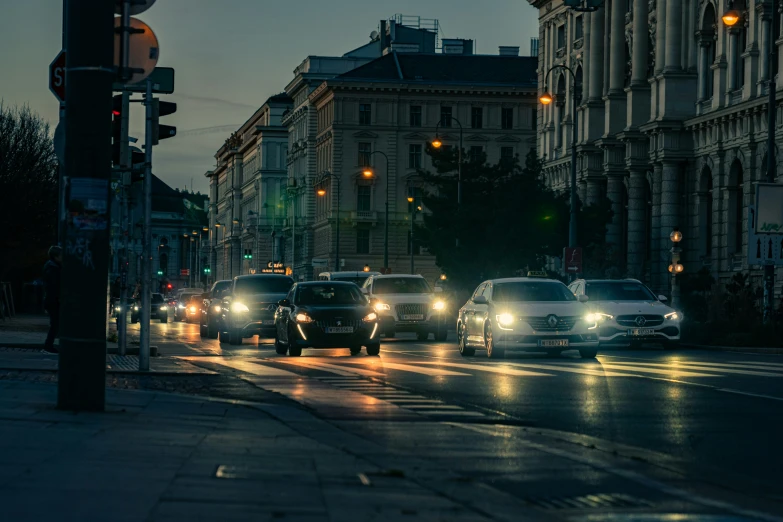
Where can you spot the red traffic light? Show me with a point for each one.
(169, 286)
(116, 113)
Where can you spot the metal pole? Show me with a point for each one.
(146, 278)
(122, 325)
(386, 220)
(337, 249)
(769, 270)
(81, 378)
(293, 238)
(572, 224)
(410, 240)
(61, 183)
(459, 179)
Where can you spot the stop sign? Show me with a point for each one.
(57, 76)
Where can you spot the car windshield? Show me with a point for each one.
(618, 292)
(528, 291)
(401, 285)
(263, 285)
(329, 294)
(357, 280)
(221, 289)
(156, 299)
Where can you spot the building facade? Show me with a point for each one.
(671, 111)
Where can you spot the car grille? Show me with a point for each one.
(541, 324)
(410, 309)
(260, 311)
(631, 320)
(333, 323)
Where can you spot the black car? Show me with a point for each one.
(249, 308)
(211, 308)
(159, 309)
(326, 314)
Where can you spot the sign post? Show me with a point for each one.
(572, 261)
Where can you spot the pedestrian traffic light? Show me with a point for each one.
(248, 254)
(161, 132)
(160, 272)
(116, 129)
(207, 270)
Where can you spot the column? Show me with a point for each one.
(617, 48)
(733, 58)
(656, 276)
(588, 20)
(637, 207)
(704, 68)
(670, 215)
(660, 36)
(596, 55)
(674, 38)
(766, 32)
(640, 43)
(595, 191)
(614, 193)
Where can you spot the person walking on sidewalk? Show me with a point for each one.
(51, 277)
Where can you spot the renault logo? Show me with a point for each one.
(641, 321)
(339, 323)
(552, 320)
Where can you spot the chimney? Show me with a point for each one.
(506, 50)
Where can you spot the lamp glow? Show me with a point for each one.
(436, 143)
(545, 98)
(731, 18)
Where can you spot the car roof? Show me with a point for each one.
(263, 276)
(320, 283)
(609, 280)
(357, 272)
(392, 276)
(522, 280)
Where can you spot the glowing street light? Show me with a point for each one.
(731, 17)
(545, 98)
(436, 143)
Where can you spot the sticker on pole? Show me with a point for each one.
(89, 204)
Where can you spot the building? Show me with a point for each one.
(392, 105)
(672, 127)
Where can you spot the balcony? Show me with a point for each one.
(364, 216)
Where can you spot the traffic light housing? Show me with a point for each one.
(161, 132)
(248, 254)
(116, 129)
(169, 286)
(207, 270)
(160, 272)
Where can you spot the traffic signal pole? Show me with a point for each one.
(85, 269)
(122, 325)
(146, 278)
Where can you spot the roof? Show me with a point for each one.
(448, 68)
(522, 280)
(280, 98)
(254, 276)
(390, 276)
(610, 280)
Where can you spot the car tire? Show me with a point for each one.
(355, 350)
(134, 321)
(223, 337)
(294, 351)
(212, 331)
(234, 338)
(493, 352)
(553, 353)
(280, 348)
(423, 336)
(464, 349)
(164, 320)
(374, 349)
(588, 353)
(202, 330)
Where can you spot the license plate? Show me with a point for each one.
(268, 322)
(414, 317)
(339, 329)
(636, 332)
(553, 342)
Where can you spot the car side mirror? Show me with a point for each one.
(582, 298)
(480, 300)
(438, 289)
(663, 298)
(284, 303)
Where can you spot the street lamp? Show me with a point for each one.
(368, 173)
(731, 17)
(676, 268)
(545, 99)
(437, 144)
(321, 191)
(366, 268)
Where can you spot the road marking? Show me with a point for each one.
(762, 364)
(332, 368)
(583, 371)
(433, 372)
(431, 407)
(761, 396)
(462, 413)
(413, 401)
(712, 367)
(245, 366)
(674, 373)
(491, 369)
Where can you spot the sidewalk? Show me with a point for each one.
(161, 457)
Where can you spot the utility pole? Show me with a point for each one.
(125, 166)
(89, 77)
(769, 270)
(146, 277)
(62, 180)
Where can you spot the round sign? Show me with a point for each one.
(143, 53)
(134, 8)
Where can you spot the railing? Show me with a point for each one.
(364, 216)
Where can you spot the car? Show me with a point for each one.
(529, 314)
(353, 277)
(118, 308)
(406, 303)
(193, 308)
(249, 308)
(159, 309)
(183, 299)
(629, 313)
(211, 308)
(326, 314)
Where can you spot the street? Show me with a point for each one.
(689, 411)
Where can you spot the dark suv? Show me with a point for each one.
(211, 308)
(159, 309)
(250, 306)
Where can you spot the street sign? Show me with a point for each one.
(57, 77)
(143, 53)
(769, 208)
(185, 272)
(763, 249)
(162, 79)
(136, 6)
(572, 260)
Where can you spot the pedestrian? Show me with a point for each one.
(51, 277)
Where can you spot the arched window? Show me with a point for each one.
(707, 53)
(705, 213)
(736, 207)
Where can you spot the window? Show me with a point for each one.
(506, 154)
(507, 118)
(401, 285)
(414, 156)
(534, 118)
(365, 149)
(561, 37)
(364, 198)
(477, 117)
(362, 241)
(476, 154)
(535, 292)
(329, 294)
(365, 114)
(579, 28)
(619, 292)
(445, 115)
(415, 115)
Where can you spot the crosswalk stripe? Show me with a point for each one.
(434, 372)
(462, 413)
(431, 407)
(491, 369)
(414, 401)
(712, 367)
(599, 372)
(657, 371)
(332, 368)
(248, 366)
(761, 363)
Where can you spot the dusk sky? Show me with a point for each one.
(231, 56)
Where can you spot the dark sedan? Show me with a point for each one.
(159, 309)
(326, 315)
(211, 308)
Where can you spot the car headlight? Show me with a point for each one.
(597, 317)
(117, 308)
(372, 316)
(164, 308)
(303, 318)
(380, 307)
(193, 309)
(181, 307)
(439, 305)
(135, 308)
(217, 309)
(674, 316)
(592, 321)
(505, 319)
(239, 307)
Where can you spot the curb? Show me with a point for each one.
(162, 373)
(110, 350)
(736, 349)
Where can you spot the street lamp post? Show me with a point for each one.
(414, 208)
(368, 173)
(676, 267)
(322, 192)
(730, 18)
(437, 143)
(546, 99)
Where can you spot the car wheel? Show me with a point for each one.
(355, 350)
(212, 331)
(374, 349)
(280, 348)
(553, 353)
(464, 349)
(223, 336)
(164, 319)
(423, 336)
(202, 330)
(294, 351)
(389, 334)
(588, 353)
(493, 352)
(234, 338)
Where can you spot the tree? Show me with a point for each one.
(28, 192)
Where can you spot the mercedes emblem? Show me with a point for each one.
(641, 321)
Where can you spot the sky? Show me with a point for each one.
(230, 56)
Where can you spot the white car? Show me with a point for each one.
(629, 312)
(406, 303)
(529, 314)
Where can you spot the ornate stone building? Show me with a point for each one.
(672, 125)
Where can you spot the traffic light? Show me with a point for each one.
(169, 286)
(207, 270)
(116, 129)
(160, 272)
(248, 254)
(161, 132)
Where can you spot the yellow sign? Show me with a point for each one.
(537, 273)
